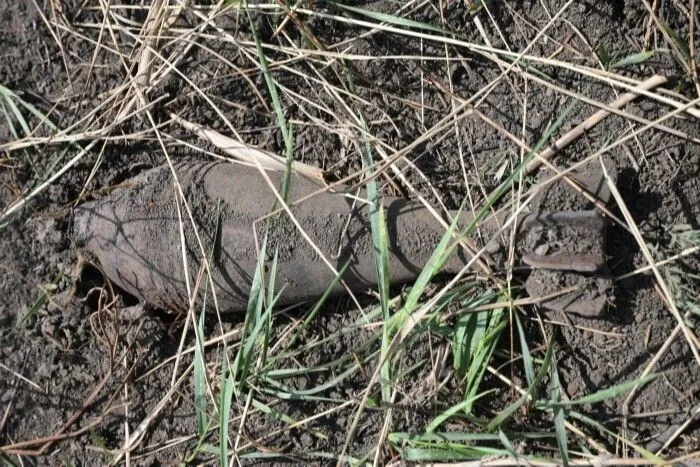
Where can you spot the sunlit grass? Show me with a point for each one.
(506, 398)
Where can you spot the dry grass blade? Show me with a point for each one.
(592, 121)
(160, 17)
(21, 448)
(685, 253)
(650, 366)
(18, 204)
(690, 337)
(615, 79)
(691, 45)
(443, 99)
(20, 376)
(137, 436)
(675, 431)
(249, 155)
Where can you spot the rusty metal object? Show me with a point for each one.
(135, 234)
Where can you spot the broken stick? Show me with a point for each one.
(592, 121)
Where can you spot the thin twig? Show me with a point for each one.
(592, 121)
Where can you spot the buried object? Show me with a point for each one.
(137, 237)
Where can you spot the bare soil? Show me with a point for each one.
(65, 359)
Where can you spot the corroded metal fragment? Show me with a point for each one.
(135, 234)
(139, 233)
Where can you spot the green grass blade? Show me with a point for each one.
(607, 393)
(285, 127)
(226, 398)
(310, 457)
(680, 45)
(559, 415)
(266, 321)
(395, 20)
(39, 302)
(510, 410)
(9, 120)
(252, 318)
(256, 339)
(462, 437)
(636, 59)
(507, 444)
(434, 265)
(466, 328)
(487, 328)
(18, 117)
(10, 95)
(302, 393)
(649, 456)
(308, 319)
(455, 409)
(383, 273)
(525, 349)
(200, 383)
(444, 452)
(603, 56)
(277, 415)
(380, 243)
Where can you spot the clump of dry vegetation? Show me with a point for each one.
(479, 106)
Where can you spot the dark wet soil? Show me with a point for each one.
(66, 360)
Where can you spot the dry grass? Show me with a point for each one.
(241, 373)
